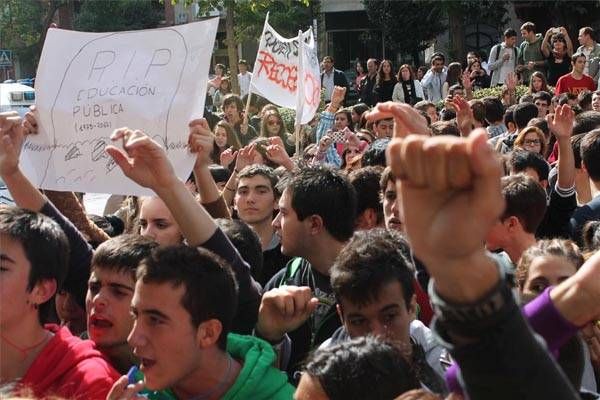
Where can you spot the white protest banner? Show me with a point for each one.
(309, 81)
(89, 84)
(275, 75)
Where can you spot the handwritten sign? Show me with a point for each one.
(275, 74)
(89, 84)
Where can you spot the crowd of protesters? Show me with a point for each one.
(420, 244)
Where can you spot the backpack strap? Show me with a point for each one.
(291, 269)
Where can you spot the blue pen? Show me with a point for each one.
(131, 375)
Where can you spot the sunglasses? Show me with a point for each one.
(273, 122)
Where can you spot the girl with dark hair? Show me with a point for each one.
(538, 83)
(408, 89)
(479, 78)
(384, 86)
(452, 78)
(225, 138)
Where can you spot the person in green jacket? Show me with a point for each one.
(184, 304)
(531, 58)
(204, 362)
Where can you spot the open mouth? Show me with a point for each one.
(146, 364)
(97, 322)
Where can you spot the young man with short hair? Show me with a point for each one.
(255, 201)
(590, 49)
(542, 101)
(373, 281)
(369, 211)
(383, 128)
(190, 295)
(332, 77)
(514, 231)
(494, 115)
(108, 299)
(316, 217)
(575, 81)
(43, 360)
(530, 57)
(503, 58)
(433, 80)
(244, 77)
(590, 161)
(430, 109)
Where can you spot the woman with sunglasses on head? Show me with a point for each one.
(272, 125)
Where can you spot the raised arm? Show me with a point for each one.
(561, 126)
(568, 40)
(27, 196)
(146, 163)
(546, 48)
(451, 188)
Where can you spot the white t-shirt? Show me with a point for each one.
(244, 81)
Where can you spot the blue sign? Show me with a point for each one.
(5, 58)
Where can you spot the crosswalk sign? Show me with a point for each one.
(5, 58)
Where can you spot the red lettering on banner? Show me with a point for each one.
(283, 75)
(312, 90)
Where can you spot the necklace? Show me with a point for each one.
(219, 386)
(23, 350)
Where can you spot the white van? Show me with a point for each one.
(16, 97)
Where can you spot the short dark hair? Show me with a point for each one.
(369, 261)
(576, 146)
(261, 170)
(478, 109)
(444, 128)
(542, 95)
(564, 98)
(510, 32)
(219, 173)
(520, 160)
(455, 87)
(586, 122)
(508, 115)
(575, 56)
(528, 26)
(323, 191)
(494, 109)
(437, 56)
(210, 288)
(523, 113)
(375, 154)
(330, 58)
(46, 248)
(348, 370)
(123, 253)
(591, 236)
(590, 154)
(233, 98)
(366, 184)
(525, 199)
(246, 241)
(386, 176)
(584, 98)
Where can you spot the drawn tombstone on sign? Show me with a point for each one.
(108, 85)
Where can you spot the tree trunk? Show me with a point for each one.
(456, 30)
(232, 47)
(65, 15)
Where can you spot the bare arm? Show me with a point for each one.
(561, 126)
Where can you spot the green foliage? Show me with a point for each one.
(286, 16)
(407, 25)
(21, 27)
(118, 15)
(410, 26)
(497, 92)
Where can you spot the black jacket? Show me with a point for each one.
(324, 321)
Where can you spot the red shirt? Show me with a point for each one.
(69, 367)
(568, 84)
